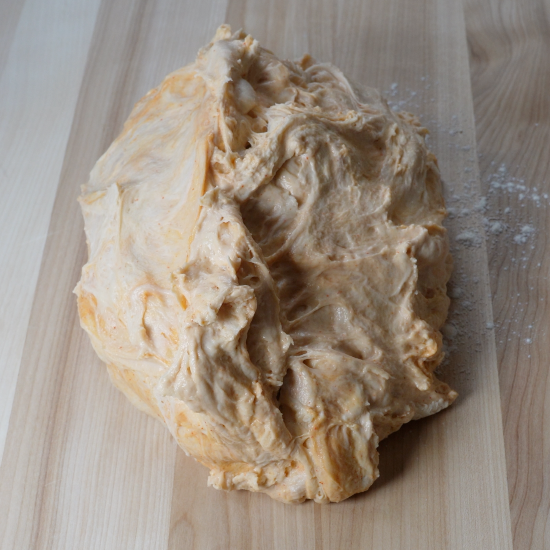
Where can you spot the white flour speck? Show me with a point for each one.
(525, 232)
(469, 238)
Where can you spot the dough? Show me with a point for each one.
(267, 270)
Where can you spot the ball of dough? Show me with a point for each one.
(267, 269)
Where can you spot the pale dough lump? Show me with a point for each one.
(267, 269)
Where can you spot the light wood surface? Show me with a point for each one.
(41, 70)
(510, 63)
(81, 468)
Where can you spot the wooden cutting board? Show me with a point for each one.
(82, 468)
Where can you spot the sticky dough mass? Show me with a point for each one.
(267, 270)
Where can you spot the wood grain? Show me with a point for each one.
(509, 57)
(11, 11)
(39, 87)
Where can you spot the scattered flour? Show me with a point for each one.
(496, 228)
(525, 232)
(469, 238)
(475, 219)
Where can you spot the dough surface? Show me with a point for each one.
(267, 270)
